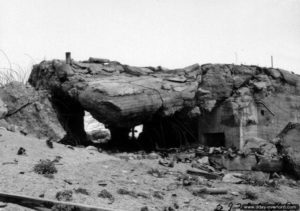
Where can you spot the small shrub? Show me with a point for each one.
(66, 195)
(46, 168)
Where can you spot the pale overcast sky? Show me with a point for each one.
(170, 33)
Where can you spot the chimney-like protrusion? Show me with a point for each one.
(272, 61)
(68, 57)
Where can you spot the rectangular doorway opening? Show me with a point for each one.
(215, 139)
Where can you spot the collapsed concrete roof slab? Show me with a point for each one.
(123, 96)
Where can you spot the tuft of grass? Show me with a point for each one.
(46, 168)
(13, 72)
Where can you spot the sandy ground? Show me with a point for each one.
(95, 171)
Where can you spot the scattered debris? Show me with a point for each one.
(57, 159)
(68, 181)
(156, 173)
(233, 177)
(254, 178)
(123, 191)
(166, 163)
(200, 191)
(158, 195)
(102, 183)
(203, 174)
(49, 143)
(21, 151)
(70, 147)
(14, 162)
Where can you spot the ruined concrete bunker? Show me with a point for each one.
(211, 104)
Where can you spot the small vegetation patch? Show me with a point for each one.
(46, 168)
(82, 191)
(106, 195)
(66, 195)
(250, 195)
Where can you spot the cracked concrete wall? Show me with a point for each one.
(261, 119)
(285, 109)
(29, 112)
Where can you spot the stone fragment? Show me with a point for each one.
(195, 112)
(259, 145)
(203, 160)
(260, 85)
(269, 164)
(152, 156)
(191, 68)
(98, 60)
(232, 177)
(238, 163)
(92, 148)
(137, 71)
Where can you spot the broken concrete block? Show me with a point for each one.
(232, 177)
(31, 111)
(195, 112)
(238, 163)
(203, 160)
(98, 60)
(268, 164)
(290, 144)
(259, 145)
(260, 85)
(207, 175)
